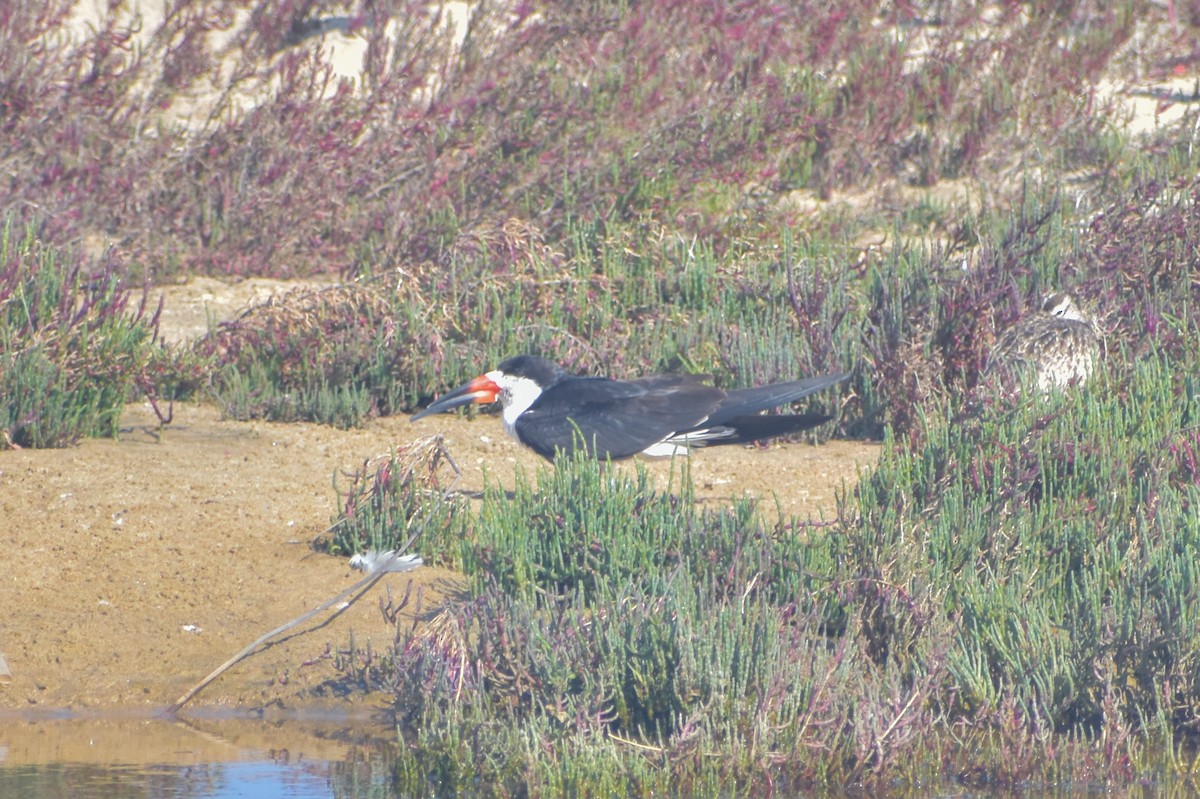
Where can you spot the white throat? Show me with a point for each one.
(516, 395)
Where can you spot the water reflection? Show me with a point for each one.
(254, 780)
(143, 758)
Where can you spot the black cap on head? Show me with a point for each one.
(539, 370)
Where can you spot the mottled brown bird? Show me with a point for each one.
(1057, 346)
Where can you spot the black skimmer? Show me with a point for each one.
(1058, 346)
(551, 411)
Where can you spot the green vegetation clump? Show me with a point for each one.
(323, 355)
(343, 354)
(73, 348)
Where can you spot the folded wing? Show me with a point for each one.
(616, 418)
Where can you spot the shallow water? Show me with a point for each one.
(218, 757)
(251, 779)
(227, 758)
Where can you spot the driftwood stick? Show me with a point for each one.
(362, 586)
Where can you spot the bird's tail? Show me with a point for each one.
(745, 401)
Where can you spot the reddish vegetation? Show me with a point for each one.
(570, 112)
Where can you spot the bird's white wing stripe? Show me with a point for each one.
(678, 443)
(698, 437)
(663, 450)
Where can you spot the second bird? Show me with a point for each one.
(1057, 346)
(551, 411)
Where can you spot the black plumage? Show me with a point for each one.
(551, 411)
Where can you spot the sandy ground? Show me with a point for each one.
(133, 567)
(136, 566)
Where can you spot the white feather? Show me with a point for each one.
(373, 560)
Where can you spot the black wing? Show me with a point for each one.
(746, 401)
(615, 418)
